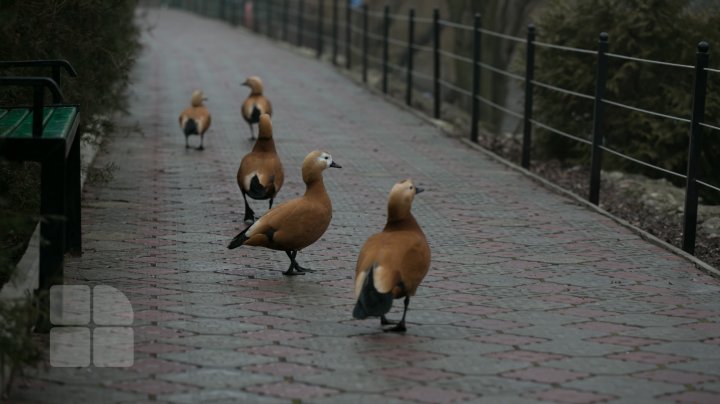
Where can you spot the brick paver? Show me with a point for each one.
(530, 296)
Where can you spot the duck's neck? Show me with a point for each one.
(315, 187)
(264, 144)
(400, 219)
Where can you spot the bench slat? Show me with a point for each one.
(17, 123)
(24, 130)
(11, 120)
(59, 123)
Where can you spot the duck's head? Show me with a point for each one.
(197, 98)
(401, 198)
(315, 163)
(265, 126)
(255, 84)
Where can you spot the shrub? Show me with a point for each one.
(663, 30)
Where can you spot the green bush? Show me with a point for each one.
(662, 30)
(99, 38)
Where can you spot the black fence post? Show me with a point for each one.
(335, 31)
(365, 44)
(268, 17)
(320, 39)
(411, 51)
(255, 17)
(598, 119)
(242, 13)
(385, 56)
(436, 64)
(474, 127)
(529, 77)
(286, 15)
(698, 116)
(348, 35)
(233, 13)
(301, 10)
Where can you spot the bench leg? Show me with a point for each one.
(52, 233)
(74, 215)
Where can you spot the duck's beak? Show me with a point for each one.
(335, 165)
(205, 99)
(245, 83)
(418, 190)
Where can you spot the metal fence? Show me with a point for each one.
(346, 32)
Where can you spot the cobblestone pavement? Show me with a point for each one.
(529, 298)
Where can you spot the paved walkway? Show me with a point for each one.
(530, 297)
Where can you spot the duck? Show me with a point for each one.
(255, 104)
(297, 223)
(260, 175)
(392, 264)
(195, 119)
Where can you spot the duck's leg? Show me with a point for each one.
(271, 201)
(201, 143)
(249, 214)
(400, 327)
(298, 268)
(385, 321)
(292, 270)
(252, 133)
(187, 145)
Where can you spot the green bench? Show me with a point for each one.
(47, 133)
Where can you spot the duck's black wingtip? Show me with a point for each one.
(238, 240)
(371, 302)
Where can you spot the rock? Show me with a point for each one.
(711, 227)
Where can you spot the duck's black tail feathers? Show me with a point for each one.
(257, 190)
(191, 127)
(239, 239)
(255, 114)
(371, 302)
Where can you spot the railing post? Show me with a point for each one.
(301, 10)
(321, 15)
(234, 14)
(286, 15)
(37, 114)
(255, 17)
(411, 51)
(365, 44)
(385, 56)
(474, 127)
(436, 64)
(335, 31)
(529, 77)
(268, 17)
(348, 34)
(698, 116)
(56, 78)
(598, 119)
(243, 14)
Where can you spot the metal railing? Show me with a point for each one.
(308, 18)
